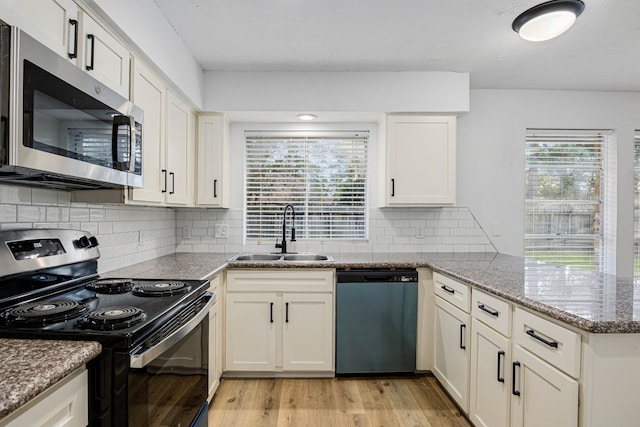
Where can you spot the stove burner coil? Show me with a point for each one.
(45, 278)
(161, 289)
(111, 286)
(43, 312)
(111, 318)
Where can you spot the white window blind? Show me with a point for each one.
(636, 205)
(569, 178)
(323, 175)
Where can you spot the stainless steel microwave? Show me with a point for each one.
(60, 127)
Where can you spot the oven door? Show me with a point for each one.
(167, 383)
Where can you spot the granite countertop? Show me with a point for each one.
(589, 301)
(28, 367)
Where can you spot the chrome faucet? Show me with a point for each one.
(283, 244)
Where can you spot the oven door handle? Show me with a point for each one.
(140, 360)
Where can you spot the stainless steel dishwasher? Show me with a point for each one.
(376, 320)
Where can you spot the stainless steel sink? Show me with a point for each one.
(306, 257)
(281, 257)
(256, 257)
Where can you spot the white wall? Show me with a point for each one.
(337, 91)
(491, 155)
(142, 23)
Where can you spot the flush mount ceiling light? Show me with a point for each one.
(547, 20)
(307, 117)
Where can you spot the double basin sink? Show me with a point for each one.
(288, 257)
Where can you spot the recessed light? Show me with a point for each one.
(306, 117)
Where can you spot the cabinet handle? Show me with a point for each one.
(173, 182)
(501, 355)
(463, 328)
(215, 188)
(513, 384)
(74, 52)
(164, 172)
(270, 312)
(533, 334)
(92, 39)
(393, 187)
(286, 312)
(447, 289)
(489, 310)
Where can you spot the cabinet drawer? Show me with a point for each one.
(549, 341)
(492, 311)
(281, 280)
(452, 291)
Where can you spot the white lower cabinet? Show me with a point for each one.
(250, 332)
(490, 377)
(65, 404)
(279, 321)
(451, 351)
(215, 339)
(541, 394)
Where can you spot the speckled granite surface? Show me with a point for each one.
(589, 301)
(28, 367)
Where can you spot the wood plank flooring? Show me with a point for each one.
(362, 402)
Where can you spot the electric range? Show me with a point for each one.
(154, 332)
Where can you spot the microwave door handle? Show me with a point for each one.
(120, 120)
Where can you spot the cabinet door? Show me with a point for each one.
(541, 395)
(251, 321)
(451, 351)
(490, 377)
(307, 336)
(52, 22)
(104, 57)
(214, 348)
(179, 151)
(420, 160)
(148, 92)
(213, 160)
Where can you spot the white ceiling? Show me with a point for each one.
(601, 51)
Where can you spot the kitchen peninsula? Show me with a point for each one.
(597, 317)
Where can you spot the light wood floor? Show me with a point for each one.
(362, 402)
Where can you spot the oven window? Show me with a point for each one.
(171, 390)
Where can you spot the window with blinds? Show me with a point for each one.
(569, 178)
(636, 206)
(323, 175)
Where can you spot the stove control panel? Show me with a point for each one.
(37, 249)
(31, 249)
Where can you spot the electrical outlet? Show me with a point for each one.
(221, 231)
(186, 232)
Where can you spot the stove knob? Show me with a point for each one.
(93, 242)
(82, 243)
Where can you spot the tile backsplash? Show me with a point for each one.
(127, 234)
(449, 229)
(132, 234)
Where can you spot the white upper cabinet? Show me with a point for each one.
(148, 92)
(212, 187)
(104, 57)
(70, 32)
(420, 160)
(179, 172)
(53, 22)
